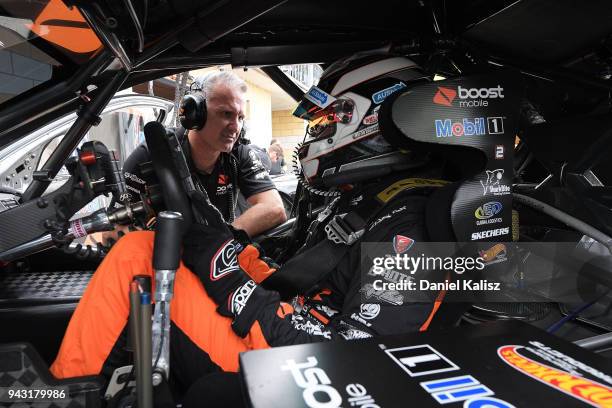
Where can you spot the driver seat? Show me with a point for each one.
(440, 229)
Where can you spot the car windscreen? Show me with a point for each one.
(41, 42)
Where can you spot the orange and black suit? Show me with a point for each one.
(220, 309)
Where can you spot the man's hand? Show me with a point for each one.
(266, 211)
(212, 252)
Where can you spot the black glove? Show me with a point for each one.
(210, 250)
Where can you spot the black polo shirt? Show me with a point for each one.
(242, 167)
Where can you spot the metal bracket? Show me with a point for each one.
(120, 376)
(340, 232)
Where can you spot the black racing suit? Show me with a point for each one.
(342, 307)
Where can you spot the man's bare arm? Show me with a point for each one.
(266, 211)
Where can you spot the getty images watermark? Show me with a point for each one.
(403, 271)
(410, 264)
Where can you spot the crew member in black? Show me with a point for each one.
(242, 167)
(219, 163)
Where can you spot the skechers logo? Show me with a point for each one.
(490, 233)
(133, 177)
(380, 96)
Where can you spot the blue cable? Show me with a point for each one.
(573, 314)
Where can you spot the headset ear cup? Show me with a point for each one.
(203, 111)
(192, 112)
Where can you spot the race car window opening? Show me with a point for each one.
(43, 43)
(303, 75)
(120, 130)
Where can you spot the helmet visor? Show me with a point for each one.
(322, 121)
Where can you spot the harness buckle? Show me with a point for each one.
(340, 232)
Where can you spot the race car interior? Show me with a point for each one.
(534, 76)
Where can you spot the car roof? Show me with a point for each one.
(553, 39)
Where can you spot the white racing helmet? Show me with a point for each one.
(343, 143)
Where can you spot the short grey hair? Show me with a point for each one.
(206, 83)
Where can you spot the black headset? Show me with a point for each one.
(193, 112)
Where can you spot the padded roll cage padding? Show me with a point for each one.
(470, 122)
(469, 160)
(175, 197)
(437, 214)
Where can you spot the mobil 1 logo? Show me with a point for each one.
(493, 125)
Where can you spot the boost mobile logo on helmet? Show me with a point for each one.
(316, 384)
(225, 261)
(468, 97)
